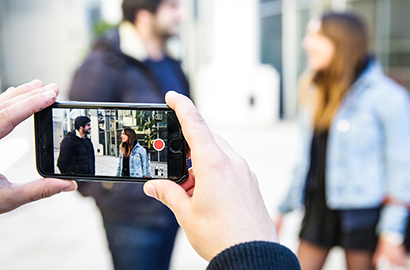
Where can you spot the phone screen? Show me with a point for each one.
(105, 143)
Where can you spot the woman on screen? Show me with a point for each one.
(133, 157)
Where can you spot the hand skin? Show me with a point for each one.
(278, 220)
(396, 255)
(220, 204)
(16, 105)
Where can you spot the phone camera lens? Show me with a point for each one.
(175, 145)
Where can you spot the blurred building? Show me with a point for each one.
(243, 57)
(278, 30)
(387, 21)
(43, 39)
(221, 52)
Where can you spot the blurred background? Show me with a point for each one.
(247, 53)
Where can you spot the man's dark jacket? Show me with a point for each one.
(76, 155)
(111, 76)
(108, 75)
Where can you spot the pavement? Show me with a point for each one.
(65, 232)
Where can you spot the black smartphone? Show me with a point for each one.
(110, 142)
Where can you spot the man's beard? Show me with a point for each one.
(166, 33)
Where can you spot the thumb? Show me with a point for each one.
(44, 188)
(167, 192)
(20, 194)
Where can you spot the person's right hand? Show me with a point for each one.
(16, 105)
(19, 103)
(391, 254)
(220, 204)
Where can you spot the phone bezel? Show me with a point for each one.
(177, 171)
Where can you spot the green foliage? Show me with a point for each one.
(101, 27)
(147, 123)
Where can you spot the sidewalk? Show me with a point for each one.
(65, 232)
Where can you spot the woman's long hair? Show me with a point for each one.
(349, 35)
(127, 146)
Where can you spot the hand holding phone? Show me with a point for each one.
(219, 205)
(110, 142)
(16, 105)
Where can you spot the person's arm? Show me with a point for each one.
(64, 158)
(395, 123)
(119, 165)
(307, 96)
(16, 105)
(145, 163)
(219, 206)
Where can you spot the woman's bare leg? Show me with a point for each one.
(359, 260)
(311, 256)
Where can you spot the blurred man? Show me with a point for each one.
(76, 150)
(133, 64)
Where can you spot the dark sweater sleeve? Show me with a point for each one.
(255, 256)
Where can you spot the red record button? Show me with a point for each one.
(159, 145)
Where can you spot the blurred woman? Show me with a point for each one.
(133, 157)
(353, 178)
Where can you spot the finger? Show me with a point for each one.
(189, 184)
(22, 89)
(18, 195)
(11, 116)
(194, 128)
(169, 193)
(7, 103)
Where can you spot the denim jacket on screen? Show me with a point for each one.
(139, 165)
(368, 151)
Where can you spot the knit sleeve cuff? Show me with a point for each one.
(256, 255)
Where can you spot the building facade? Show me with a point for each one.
(387, 21)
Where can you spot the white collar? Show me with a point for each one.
(77, 133)
(131, 43)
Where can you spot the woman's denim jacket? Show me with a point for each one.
(368, 151)
(139, 165)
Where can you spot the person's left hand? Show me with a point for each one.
(16, 105)
(396, 255)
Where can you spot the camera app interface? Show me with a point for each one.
(103, 142)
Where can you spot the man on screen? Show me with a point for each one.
(76, 150)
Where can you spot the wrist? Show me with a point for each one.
(393, 238)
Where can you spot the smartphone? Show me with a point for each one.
(110, 142)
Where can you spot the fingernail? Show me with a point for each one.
(149, 190)
(172, 92)
(71, 187)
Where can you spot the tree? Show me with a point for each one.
(147, 122)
